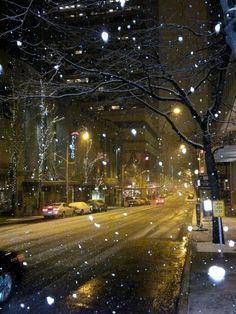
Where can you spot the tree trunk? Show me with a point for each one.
(215, 191)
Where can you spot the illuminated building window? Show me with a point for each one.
(78, 80)
(115, 107)
(67, 7)
(78, 52)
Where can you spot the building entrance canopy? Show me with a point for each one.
(226, 154)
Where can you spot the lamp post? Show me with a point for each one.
(67, 173)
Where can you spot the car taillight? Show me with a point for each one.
(55, 209)
(44, 210)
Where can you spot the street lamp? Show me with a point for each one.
(176, 110)
(183, 149)
(85, 136)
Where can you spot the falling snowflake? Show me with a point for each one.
(50, 300)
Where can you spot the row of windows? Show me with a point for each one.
(78, 80)
(75, 6)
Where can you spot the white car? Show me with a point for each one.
(80, 208)
(58, 210)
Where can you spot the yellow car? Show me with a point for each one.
(80, 208)
(57, 210)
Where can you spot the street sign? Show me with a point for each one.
(218, 209)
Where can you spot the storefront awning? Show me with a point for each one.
(226, 154)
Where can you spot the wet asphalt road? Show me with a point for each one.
(126, 260)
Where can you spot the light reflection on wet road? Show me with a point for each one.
(126, 260)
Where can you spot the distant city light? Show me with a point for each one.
(196, 171)
(122, 3)
(184, 151)
(134, 132)
(180, 39)
(192, 89)
(160, 163)
(104, 135)
(50, 300)
(226, 228)
(104, 162)
(1, 69)
(217, 28)
(18, 43)
(105, 36)
(190, 228)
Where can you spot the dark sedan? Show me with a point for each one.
(97, 205)
(11, 270)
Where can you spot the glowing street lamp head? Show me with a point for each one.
(85, 136)
(105, 36)
(176, 110)
(183, 149)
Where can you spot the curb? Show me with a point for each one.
(182, 305)
(20, 220)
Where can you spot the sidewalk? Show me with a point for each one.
(199, 293)
(17, 219)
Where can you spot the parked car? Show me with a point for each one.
(11, 270)
(80, 208)
(145, 201)
(160, 200)
(97, 205)
(58, 210)
(134, 202)
(141, 201)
